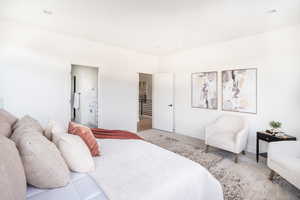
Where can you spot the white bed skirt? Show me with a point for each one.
(137, 170)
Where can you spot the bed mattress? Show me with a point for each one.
(81, 187)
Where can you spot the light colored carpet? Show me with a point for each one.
(246, 180)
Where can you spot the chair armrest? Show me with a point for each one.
(285, 148)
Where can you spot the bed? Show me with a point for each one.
(138, 170)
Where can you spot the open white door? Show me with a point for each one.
(163, 105)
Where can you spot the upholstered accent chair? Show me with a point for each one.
(228, 132)
(284, 159)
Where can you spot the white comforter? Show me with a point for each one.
(137, 170)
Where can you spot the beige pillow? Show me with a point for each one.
(5, 128)
(53, 127)
(12, 181)
(26, 125)
(20, 133)
(27, 121)
(43, 163)
(75, 152)
(4, 115)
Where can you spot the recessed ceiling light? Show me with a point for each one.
(272, 11)
(47, 12)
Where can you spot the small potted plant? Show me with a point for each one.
(275, 126)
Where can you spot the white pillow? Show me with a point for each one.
(53, 127)
(75, 152)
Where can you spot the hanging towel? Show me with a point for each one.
(76, 103)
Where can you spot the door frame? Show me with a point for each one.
(70, 82)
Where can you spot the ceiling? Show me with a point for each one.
(156, 27)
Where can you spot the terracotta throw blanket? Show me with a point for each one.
(114, 134)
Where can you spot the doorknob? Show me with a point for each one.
(170, 105)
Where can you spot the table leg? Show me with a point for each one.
(257, 149)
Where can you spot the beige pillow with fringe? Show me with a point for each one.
(44, 166)
(12, 182)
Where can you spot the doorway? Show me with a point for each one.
(145, 102)
(84, 95)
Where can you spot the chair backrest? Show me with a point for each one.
(231, 123)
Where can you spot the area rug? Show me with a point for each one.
(246, 180)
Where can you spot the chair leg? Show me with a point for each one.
(236, 159)
(206, 148)
(244, 152)
(272, 174)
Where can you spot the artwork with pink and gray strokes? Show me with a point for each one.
(239, 90)
(204, 90)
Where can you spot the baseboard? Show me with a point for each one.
(251, 149)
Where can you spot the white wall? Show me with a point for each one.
(275, 54)
(35, 67)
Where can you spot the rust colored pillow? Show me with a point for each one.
(86, 135)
